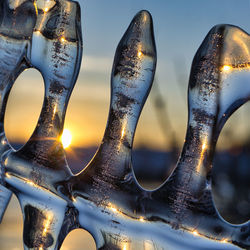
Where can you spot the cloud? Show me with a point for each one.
(96, 64)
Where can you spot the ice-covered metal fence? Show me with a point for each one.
(105, 198)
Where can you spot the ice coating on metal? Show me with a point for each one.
(45, 35)
(105, 197)
(15, 31)
(127, 217)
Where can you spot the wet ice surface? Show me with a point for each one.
(11, 232)
(105, 198)
(13, 45)
(138, 233)
(53, 46)
(11, 235)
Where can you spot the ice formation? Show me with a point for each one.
(105, 197)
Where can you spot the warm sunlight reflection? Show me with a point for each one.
(66, 138)
(46, 224)
(141, 219)
(35, 5)
(195, 233)
(63, 39)
(113, 208)
(31, 183)
(139, 54)
(123, 132)
(202, 154)
(125, 246)
(226, 68)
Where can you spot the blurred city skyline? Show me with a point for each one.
(180, 27)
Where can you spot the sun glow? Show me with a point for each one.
(226, 68)
(66, 138)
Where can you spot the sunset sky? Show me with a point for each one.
(180, 27)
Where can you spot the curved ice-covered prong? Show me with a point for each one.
(218, 86)
(15, 31)
(131, 80)
(40, 165)
(132, 76)
(56, 53)
(108, 178)
(190, 175)
(58, 32)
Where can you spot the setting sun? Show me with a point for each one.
(66, 138)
